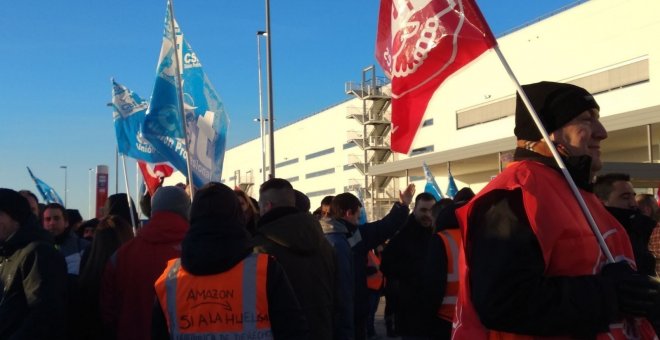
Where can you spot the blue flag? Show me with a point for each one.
(47, 193)
(452, 189)
(363, 211)
(205, 117)
(431, 186)
(128, 116)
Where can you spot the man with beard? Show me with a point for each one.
(55, 220)
(403, 260)
(530, 264)
(617, 194)
(32, 275)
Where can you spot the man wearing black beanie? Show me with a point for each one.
(532, 264)
(32, 275)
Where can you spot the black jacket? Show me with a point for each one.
(364, 238)
(295, 239)
(509, 289)
(403, 260)
(639, 228)
(214, 246)
(32, 286)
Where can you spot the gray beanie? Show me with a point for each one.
(172, 199)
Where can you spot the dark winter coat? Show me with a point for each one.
(639, 228)
(403, 259)
(362, 239)
(295, 239)
(127, 291)
(343, 322)
(214, 246)
(33, 286)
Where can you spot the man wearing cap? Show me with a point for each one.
(531, 265)
(32, 275)
(127, 293)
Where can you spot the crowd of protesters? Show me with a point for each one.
(518, 260)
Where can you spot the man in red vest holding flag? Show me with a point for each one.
(531, 265)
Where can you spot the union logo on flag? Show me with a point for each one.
(419, 44)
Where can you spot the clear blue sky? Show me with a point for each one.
(57, 58)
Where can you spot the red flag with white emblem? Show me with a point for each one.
(419, 44)
(154, 174)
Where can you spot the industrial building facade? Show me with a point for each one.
(609, 47)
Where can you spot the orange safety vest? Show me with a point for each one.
(568, 245)
(227, 305)
(452, 240)
(375, 280)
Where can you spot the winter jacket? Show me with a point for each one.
(337, 235)
(639, 228)
(403, 260)
(33, 286)
(127, 291)
(72, 247)
(295, 239)
(214, 246)
(362, 239)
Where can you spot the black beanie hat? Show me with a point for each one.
(555, 103)
(15, 205)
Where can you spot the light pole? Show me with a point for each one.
(65, 180)
(269, 76)
(262, 125)
(89, 190)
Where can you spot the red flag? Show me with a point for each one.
(419, 44)
(154, 174)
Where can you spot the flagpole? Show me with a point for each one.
(138, 197)
(116, 169)
(128, 196)
(555, 154)
(180, 95)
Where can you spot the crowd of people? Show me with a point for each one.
(518, 260)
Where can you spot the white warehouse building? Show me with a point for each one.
(609, 47)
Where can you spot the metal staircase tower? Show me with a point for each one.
(373, 139)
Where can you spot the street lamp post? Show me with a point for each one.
(269, 76)
(65, 180)
(89, 191)
(262, 125)
(262, 128)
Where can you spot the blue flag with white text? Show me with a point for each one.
(431, 186)
(48, 194)
(205, 117)
(452, 189)
(128, 117)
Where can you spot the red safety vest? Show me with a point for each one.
(567, 243)
(375, 280)
(452, 240)
(232, 304)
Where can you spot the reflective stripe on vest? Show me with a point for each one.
(375, 280)
(452, 240)
(227, 305)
